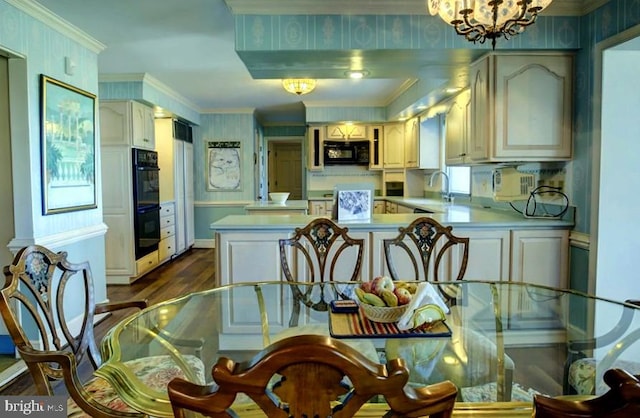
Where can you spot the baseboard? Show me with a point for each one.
(12, 372)
(204, 243)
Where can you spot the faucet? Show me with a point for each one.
(446, 194)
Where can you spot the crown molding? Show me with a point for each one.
(46, 16)
(387, 7)
(149, 80)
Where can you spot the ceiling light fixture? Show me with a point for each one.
(356, 74)
(299, 86)
(479, 20)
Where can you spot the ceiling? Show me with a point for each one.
(188, 45)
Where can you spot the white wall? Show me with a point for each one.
(619, 202)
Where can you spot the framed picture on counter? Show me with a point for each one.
(353, 202)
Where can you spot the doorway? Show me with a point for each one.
(285, 168)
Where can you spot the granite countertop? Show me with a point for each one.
(270, 205)
(456, 215)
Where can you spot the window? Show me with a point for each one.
(460, 178)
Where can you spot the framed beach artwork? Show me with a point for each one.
(67, 116)
(224, 171)
(353, 202)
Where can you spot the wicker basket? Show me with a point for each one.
(384, 314)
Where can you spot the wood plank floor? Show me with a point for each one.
(191, 272)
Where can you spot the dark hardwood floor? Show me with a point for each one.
(191, 272)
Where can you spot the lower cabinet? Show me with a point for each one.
(167, 245)
(540, 256)
(320, 207)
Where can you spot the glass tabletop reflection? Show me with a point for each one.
(507, 341)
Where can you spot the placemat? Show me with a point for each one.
(356, 325)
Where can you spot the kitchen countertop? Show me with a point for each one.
(456, 215)
(270, 205)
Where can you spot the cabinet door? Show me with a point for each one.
(533, 104)
(317, 207)
(540, 256)
(394, 145)
(379, 206)
(189, 196)
(356, 131)
(456, 129)
(115, 123)
(411, 136)
(142, 126)
(480, 112)
(429, 140)
(375, 148)
(315, 141)
(489, 254)
(180, 194)
(164, 146)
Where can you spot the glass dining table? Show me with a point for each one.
(501, 342)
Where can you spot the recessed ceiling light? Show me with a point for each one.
(450, 90)
(356, 74)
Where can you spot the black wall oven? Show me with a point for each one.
(146, 201)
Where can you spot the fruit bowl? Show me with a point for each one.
(279, 197)
(384, 314)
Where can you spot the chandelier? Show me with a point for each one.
(299, 86)
(479, 20)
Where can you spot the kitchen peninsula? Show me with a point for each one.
(504, 245)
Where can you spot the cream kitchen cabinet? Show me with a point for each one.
(167, 245)
(456, 129)
(393, 155)
(315, 152)
(422, 143)
(319, 207)
(129, 123)
(540, 256)
(521, 108)
(411, 142)
(379, 206)
(346, 132)
(376, 141)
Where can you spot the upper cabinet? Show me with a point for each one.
(315, 141)
(422, 143)
(376, 140)
(521, 106)
(346, 132)
(131, 123)
(393, 155)
(456, 130)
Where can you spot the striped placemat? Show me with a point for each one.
(356, 325)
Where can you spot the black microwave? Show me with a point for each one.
(346, 152)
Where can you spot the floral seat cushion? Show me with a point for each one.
(155, 372)
(582, 375)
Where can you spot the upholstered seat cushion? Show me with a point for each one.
(155, 372)
(582, 375)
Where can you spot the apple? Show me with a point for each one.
(381, 283)
(403, 294)
(367, 287)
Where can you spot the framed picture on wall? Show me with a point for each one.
(224, 169)
(353, 202)
(67, 117)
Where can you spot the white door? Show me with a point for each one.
(189, 198)
(179, 182)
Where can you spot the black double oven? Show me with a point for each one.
(146, 201)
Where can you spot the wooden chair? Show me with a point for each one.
(317, 250)
(41, 292)
(424, 244)
(581, 370)
(309, 372)
(622, 400)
